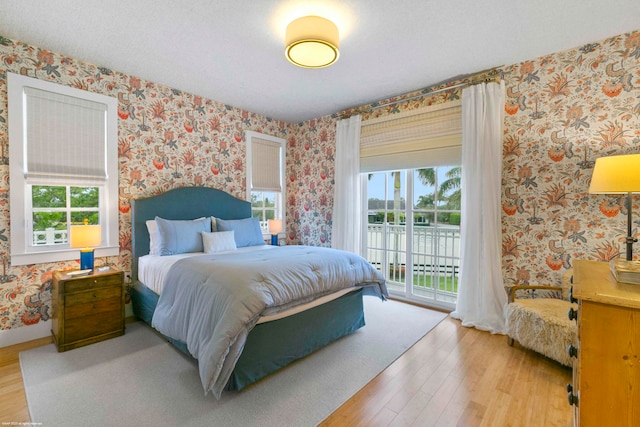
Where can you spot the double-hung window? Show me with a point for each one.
(63, 169)
(265, 177)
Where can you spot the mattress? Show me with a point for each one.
(153, 269)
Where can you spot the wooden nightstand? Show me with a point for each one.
(87, 309)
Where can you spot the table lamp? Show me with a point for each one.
(275, 227)
(618, 175)
(86, 237)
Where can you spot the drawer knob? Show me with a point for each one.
(573, 398)
(571, 298)
(573, 314)
(573, 351)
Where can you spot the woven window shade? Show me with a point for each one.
(426, 137)
(65, 138)
(265, 165)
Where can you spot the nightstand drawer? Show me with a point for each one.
(92, 296)
(113, 305)
(91, 326)
(92, 282)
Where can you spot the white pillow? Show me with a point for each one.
(154, 238)
(219, 241)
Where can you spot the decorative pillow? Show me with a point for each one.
(214, 227)
(154, 239)
(218, 241)
(247, 231)
(177, 237)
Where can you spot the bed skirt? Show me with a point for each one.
(273, 345)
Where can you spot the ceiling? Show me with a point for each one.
(231, 51)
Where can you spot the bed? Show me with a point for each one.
(276, 338)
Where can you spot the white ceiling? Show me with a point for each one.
(232, 50)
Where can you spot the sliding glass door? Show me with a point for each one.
(413, 232)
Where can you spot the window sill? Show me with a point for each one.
(60, 255)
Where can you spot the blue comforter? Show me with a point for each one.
(211, 302)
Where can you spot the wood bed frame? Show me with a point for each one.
(271, 345)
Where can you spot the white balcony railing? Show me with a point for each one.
(435, 258)
(50, 236)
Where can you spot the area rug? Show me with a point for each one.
(140, 380)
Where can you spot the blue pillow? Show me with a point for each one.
(246, 231)
(177, 237)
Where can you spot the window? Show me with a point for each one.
(265, 177)
(55, 208)
(63, 169)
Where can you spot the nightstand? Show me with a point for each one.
(87, 309)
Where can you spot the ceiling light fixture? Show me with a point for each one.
(312, 42)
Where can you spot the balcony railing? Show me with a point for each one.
(435, 258)
(50, 236)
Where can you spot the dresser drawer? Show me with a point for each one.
(91, 326)
(88, 283)
(113, 305)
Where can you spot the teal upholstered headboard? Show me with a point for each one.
(180, 203)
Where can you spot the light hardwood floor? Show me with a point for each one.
(454, 376)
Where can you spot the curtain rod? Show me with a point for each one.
(492, 75)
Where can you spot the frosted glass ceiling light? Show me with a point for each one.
(312, 42)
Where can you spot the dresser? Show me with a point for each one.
(87, 309)
(606, 369)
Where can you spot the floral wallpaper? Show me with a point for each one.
(310, 172)
(562, 112)
(166, 139)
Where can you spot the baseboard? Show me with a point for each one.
(25, 333)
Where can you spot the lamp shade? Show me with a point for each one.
(312, 42)
(275, 226)
(85, 236)
(616, 174)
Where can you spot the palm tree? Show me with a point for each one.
(452, 183)
(428, 177)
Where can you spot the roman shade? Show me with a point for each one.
(65, 138)
(426, 137)
(265, 165)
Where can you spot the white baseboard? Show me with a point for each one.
(25, 333)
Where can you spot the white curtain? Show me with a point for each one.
(481, 295)
(346, 232)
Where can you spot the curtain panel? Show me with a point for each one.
(346, 229)
(481, 295)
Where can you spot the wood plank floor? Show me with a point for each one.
(454, 376)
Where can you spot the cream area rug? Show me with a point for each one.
(139, 379)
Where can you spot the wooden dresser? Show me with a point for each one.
(87, 309)
(606, 371)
